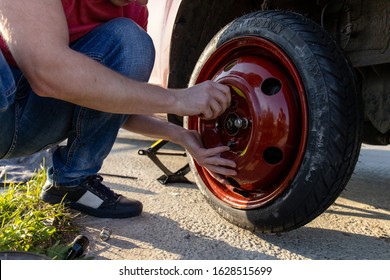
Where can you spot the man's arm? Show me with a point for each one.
(37, 35)
(209, 158)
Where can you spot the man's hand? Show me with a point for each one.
(207, 100)
(191, 140)
(210, 159)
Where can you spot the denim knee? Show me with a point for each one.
(124, 47)
(135, 48)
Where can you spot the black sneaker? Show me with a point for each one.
(92, 198)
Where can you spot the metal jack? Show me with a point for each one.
(168, 177)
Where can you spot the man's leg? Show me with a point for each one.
(19, 169)
(122, 46)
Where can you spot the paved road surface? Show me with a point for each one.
(177, 223)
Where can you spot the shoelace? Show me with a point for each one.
(94, 184)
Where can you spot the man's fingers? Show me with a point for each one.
(215, 151)
(225, 99)
(212, 157)
(219, 101)
(225, 89)
(220, 162)
(221, 170)
(216, 108)
(213, 111)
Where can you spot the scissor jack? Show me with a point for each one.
(168, 177)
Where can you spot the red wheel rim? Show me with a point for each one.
(265, 126)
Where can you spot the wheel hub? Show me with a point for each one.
(233, 124)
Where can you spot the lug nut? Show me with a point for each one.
(241, 123)
(231, 144)
(105, 233)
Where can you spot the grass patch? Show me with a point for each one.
(30, 225)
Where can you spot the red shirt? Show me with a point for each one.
(85, 15)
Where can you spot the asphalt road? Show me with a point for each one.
(178, 224)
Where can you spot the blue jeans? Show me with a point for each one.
(30, 123)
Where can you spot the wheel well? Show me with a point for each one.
(198, 21)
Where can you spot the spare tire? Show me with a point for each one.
(294, 125)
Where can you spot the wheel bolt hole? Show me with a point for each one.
(271, 86)
(273, 155)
